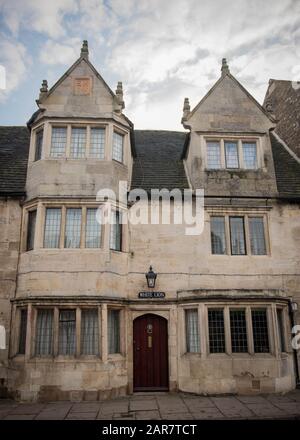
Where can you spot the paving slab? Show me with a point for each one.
(86, 407)
(25, 408)
(207, 413)
(177, 416)
(19, 417)
(139, 405)
(171, 405)
(266, 410)
(82, 416)
(112, 407)
(231, 407)
(292, 408)
(147, 415)
(201, 402)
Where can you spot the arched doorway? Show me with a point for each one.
(150, 353)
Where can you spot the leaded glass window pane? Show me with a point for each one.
(231, 154)
(38, 145)
(250, 155)
(260, 331)
(116, 231)
(237, 234)
(92, 229)
(192, 331)
(97, 143)
(216, 331)
(218, 239)
(78, 142)
(257, 236)
(113, 331)
(58, 141)
(44, 332)
(31, 230)
(52, 227)
(67, 332)
(89, 332)
(22, 331)
(117, 151)
(213, 155)
(73, 228)
(238, 329)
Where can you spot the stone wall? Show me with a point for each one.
(10, 221)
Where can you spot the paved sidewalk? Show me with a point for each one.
(160, 406)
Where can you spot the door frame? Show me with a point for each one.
(136, 313)
(166, 326)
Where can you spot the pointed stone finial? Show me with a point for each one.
(119, 101)
(225, 68)
(43, 89)
(84, 50)
(186, 109)
(269, 106)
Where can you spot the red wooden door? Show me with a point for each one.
(150, 353)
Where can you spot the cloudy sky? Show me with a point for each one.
(161, 50)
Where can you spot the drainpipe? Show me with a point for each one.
(296, 366)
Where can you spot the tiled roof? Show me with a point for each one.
(284, 99)
(158, 161)
(287, 170)
(14, 147)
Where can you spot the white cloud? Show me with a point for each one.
(15, 60)
(45, 17)
(55, 53)
(152, 44)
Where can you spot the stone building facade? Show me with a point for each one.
(81, 321)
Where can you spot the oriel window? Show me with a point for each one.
(52, 227)
(231, 154)
(118, 146)
(89, 332)
(213, 155)
(238, 329)
(44, 333)
(260, 331)
(92, 228)
(38, 145)
(73, 228)
(113, 331)
(78, 142)
(116, 231)
(216, 331)
(192, 331)
(97, 143)
(237, 235)
(218, 237)
(67, 332)
(31, 230)
(22, 331)
(58, 141)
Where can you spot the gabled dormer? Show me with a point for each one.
(229, 152)
(81, 141)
